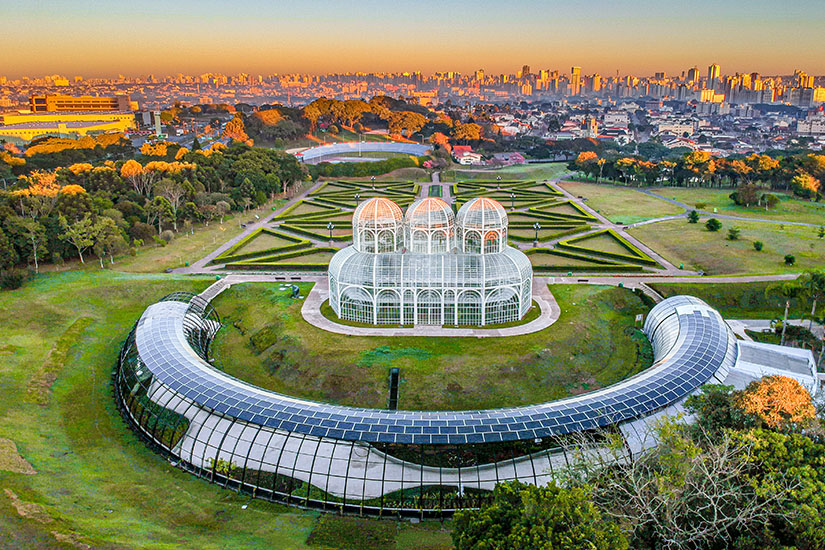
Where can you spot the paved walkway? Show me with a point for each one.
(550, 313)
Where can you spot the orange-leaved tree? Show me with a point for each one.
(779, 401)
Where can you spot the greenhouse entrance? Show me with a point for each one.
(429, 308)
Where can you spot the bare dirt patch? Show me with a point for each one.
(11, 461)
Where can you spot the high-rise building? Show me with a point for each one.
(575, 80)
(480, 75)
(714, 72)
(693, 74)
(525, 71)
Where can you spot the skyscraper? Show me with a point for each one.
(714, 72)
(575, 80)
(525, 71)
(693, 74)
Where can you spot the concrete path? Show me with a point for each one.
(550, 313)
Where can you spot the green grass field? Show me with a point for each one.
(96, 483)
(267, 342)
(789, 208)
(736, 300)
(621, 204)
(697, 248)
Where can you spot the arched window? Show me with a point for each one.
(492, 242)
(469, 308)
(389, 308)
(472, 242)
(356, 305)
(501, 306)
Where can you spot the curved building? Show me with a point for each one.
(430, 266)
(359, 460)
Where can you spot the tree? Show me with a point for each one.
(790, 259)
(693, 217)
(821, 232)
(81, 234)
(8, 255)
(789, 291)
(236, 131)
(34, 233)
(733, 233)
(158, 210)
(713, 225)
(746, 194)
(312, 114)
(140, 178)
(758, 245)
(173, 192)
(526, 517)
(108, 240)
(805, 185)
(196, 145)
(467, 132)
(689, 491)
(778, 401)
(814, 284)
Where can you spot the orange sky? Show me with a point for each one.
(104, 38)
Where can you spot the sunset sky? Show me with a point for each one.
(104, 37)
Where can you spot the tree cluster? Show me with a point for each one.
(746, 474)
(802, 173)
(108, 208)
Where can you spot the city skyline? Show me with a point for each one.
(103, 39)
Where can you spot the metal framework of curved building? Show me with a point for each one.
(429, 266)
(375, 461)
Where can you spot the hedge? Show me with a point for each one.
(638, 257)
(604, 265)
(229, 256)
(319, 236)
(564, 233)
(287, 213)
(270, 261)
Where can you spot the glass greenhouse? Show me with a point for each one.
(429, 266)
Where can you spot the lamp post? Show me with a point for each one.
(536, 228)
(357, 199)
(330, 227)
(498, 180)
(512, 201)
(373, 182)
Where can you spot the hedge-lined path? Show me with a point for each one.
(200, 266)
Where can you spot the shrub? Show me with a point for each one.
(167, 236)
(713, 224)
(701, 205)
(693, 217)
(141, 231)
(790, 259)
(733, 233)
(758, 245)
(12, 280)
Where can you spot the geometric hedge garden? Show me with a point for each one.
(298, 239)
(303, 228)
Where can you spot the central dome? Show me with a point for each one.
(430, 213)
(482, 213)
(431, 226)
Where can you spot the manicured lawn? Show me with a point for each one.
(697, 248)
(509, 173)
(591, 346)
(621, 204)
(96, 483)
(736, 300)
(264, 241)
(788, 209)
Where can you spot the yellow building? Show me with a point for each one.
(51, 103)
(22, 127)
